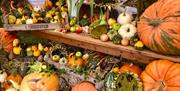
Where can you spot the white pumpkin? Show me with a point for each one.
(29, 21)
(127, 31)
(124, 18)
(3, 76)
(37, 8)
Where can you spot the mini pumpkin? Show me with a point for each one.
(127, 31)
(84, 86)
(131, 68)
(73, 61)
(161, 75)
(40, 82)
(6, 40)
(124, 18)
(13, 78)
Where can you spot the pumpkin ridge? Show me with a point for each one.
(167, 71)
(150, 75)
(167, 42)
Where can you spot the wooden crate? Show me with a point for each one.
(29, 27)
(26, 27)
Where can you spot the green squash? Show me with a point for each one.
(109, 82)
(117, 39)
(98, 31)
(112, 33)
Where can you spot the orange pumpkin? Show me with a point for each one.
(73, 61)
(84, 86)
(40, 82)
(159, 27)
(16, 78)
(132, 68)
(161, 75)
(6, 40)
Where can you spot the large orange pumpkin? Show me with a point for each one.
(84, 86)
(159, 27)
(40, 82)
(161, 75)
(6, 40)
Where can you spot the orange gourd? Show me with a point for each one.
(73, 61)
(161, 75)
(131, 68)
(14, 77)
(159, 27)
(84, 86)
(6, 40)
(40, 82)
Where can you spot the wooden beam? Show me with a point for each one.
(84, 41)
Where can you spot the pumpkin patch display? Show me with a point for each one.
(161, 75)
(40, 82)
(84, 86)
(159, 29)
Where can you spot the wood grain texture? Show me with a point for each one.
(84, 41)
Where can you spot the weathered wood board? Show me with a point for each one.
(84, 41)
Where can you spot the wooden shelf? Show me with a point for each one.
(84, 41)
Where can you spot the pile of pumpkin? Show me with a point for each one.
(160, 75)
(11, 44)
(32, 50)
(158, 30)
(123, 31)
(24, 13)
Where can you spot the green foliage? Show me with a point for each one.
(41, 67)
(1, 22)
(79, 7)
(143, 4)
(29, 39)
(0, 85)
(128, 82)
(3, 54)
(91, 7)
(61, 71)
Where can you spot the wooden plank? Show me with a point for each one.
(84, 41)
(27, 27)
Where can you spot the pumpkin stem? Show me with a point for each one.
(160, 86)
(154, 23)
(124, 13)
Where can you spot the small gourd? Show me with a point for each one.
(124, 18)
(127, 31)
(139, 45)
(29, 21)
(3, 76)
